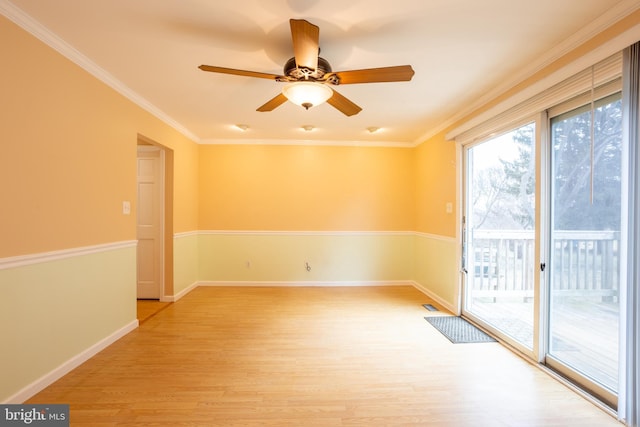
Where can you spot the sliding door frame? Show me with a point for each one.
(539, 352)
(539, 120)
(601, 392)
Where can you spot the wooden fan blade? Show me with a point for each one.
(343, 104)
(235, 72)
(305, 37)
(400, 73)
(273, 103)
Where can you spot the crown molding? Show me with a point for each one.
(42, 33)
(301, 233)
(307, 142)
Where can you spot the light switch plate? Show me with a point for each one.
(449, 207)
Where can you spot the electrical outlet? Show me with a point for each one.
(126, 207)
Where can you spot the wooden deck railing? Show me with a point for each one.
(587, 262)
(583, 262)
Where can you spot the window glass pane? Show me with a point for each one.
(585, 240)
(500, 233)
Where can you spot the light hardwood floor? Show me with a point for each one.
(351, 356)
(149, 308)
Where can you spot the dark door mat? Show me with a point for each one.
(429, 307)
(458, 330)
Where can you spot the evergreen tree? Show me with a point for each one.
(520, 178)
(587, 178)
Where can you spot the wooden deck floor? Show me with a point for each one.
(310, 357)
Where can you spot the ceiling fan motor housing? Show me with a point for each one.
(304, 73)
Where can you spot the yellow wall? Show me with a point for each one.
(436, 186)
(69, 153)
(317, 188)
(186, 183)
(68, 161)
(59, 148)
(343, 210)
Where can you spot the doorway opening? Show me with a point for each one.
(154, 221)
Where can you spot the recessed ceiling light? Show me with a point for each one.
(308, 128)
(242, 127)
(373, 129)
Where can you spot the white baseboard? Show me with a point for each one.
(77, 360)
(176, 297)
(435, 297)
(305, 283)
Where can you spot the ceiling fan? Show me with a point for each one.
(307, 74)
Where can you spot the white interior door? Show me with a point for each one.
(149, 222)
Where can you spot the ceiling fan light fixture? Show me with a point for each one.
(307, 94)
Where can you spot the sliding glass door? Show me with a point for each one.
(584, 248)
(499, 234)
(576, 312)
(548, 219)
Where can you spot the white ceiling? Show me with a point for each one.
(462, 51)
